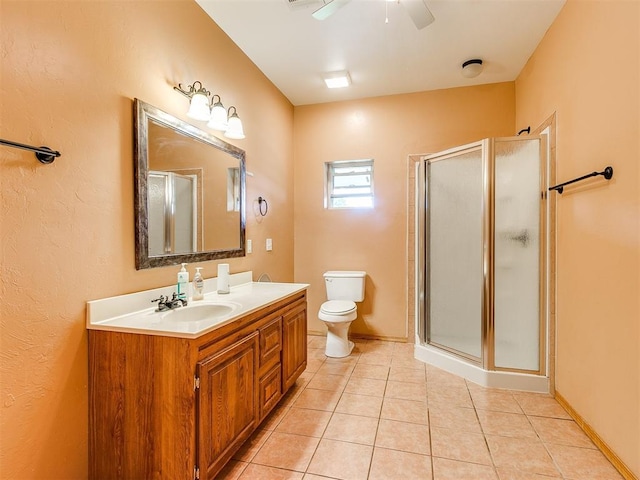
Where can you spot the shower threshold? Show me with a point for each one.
(491, 379)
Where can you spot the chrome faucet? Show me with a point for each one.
(164, 303)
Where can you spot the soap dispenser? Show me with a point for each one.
(183, 282)
(198, 285)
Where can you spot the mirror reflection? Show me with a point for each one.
(189, 192)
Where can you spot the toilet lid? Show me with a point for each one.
(337, 307)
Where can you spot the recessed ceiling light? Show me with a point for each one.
(337, 79)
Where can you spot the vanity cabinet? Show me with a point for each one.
(294, 353)
(175, 408)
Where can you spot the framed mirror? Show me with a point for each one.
(189, 192)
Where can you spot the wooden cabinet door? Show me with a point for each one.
(227, 403)
(294, 345)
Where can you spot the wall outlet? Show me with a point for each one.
(249, 246)
(269, 244)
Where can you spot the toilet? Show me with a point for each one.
(344, 288)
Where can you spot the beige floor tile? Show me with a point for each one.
(350, 360)
(366, 386)
(455, 418)
(526, 454)
(560, 431)
(352, 428)
(261, 472)
(292, 394)
(406, 391)
(283, 450)
(316, 341)
(333, 383)
(364, 405)
(459, 445)
(313, 365)
(380, 346)
(510, 473)
(443, 378)
(444, 469)
(273, 419)
(304, 421)
(498, 401)
(403, 348)
(249, 449)
(336, 368)
(393, 464)
(449, 395)
(579, 463)
(316, 354)
(404, 374)
(317, 399)
(540, 405)
(505, 424)
(407, 437)
(341, 460)
(232, 470)
(406, 362)
(375, 358)
(370, 371)
(405, 411)
(311, 476)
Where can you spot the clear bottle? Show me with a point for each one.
(198, 285)
(183, 282)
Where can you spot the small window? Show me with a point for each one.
(349, 184)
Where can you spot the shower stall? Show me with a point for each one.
(482, 264)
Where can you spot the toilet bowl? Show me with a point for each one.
(337, 316)
(344, 288)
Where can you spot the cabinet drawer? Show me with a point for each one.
(270, 343)
(270, 390)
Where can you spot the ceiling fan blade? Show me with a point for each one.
(419, 12)
(329, 8)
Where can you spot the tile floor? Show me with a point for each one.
(381, 414)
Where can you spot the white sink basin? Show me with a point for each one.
(200, 311)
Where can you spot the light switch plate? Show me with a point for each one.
(249, 246)
(269, 245)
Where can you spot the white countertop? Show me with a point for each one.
(123, 314)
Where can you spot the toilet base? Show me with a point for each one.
(338, 344)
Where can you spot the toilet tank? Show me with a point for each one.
(345, 285)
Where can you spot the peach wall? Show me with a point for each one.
(587, 70)
(386, 129)
(70, 71)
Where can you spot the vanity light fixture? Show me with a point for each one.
(199, 106)
(472, 68)
(212, 112)
(339, 79)
(218, 119)
(234, 129)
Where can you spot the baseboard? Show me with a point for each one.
(595, 438)
(364, 336)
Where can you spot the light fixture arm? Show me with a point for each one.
(193, 89)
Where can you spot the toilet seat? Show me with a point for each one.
(338, 307)
(338, 311)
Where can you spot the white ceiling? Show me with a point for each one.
(293, 49)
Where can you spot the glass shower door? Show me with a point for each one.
(517, 275)
(454, 258)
